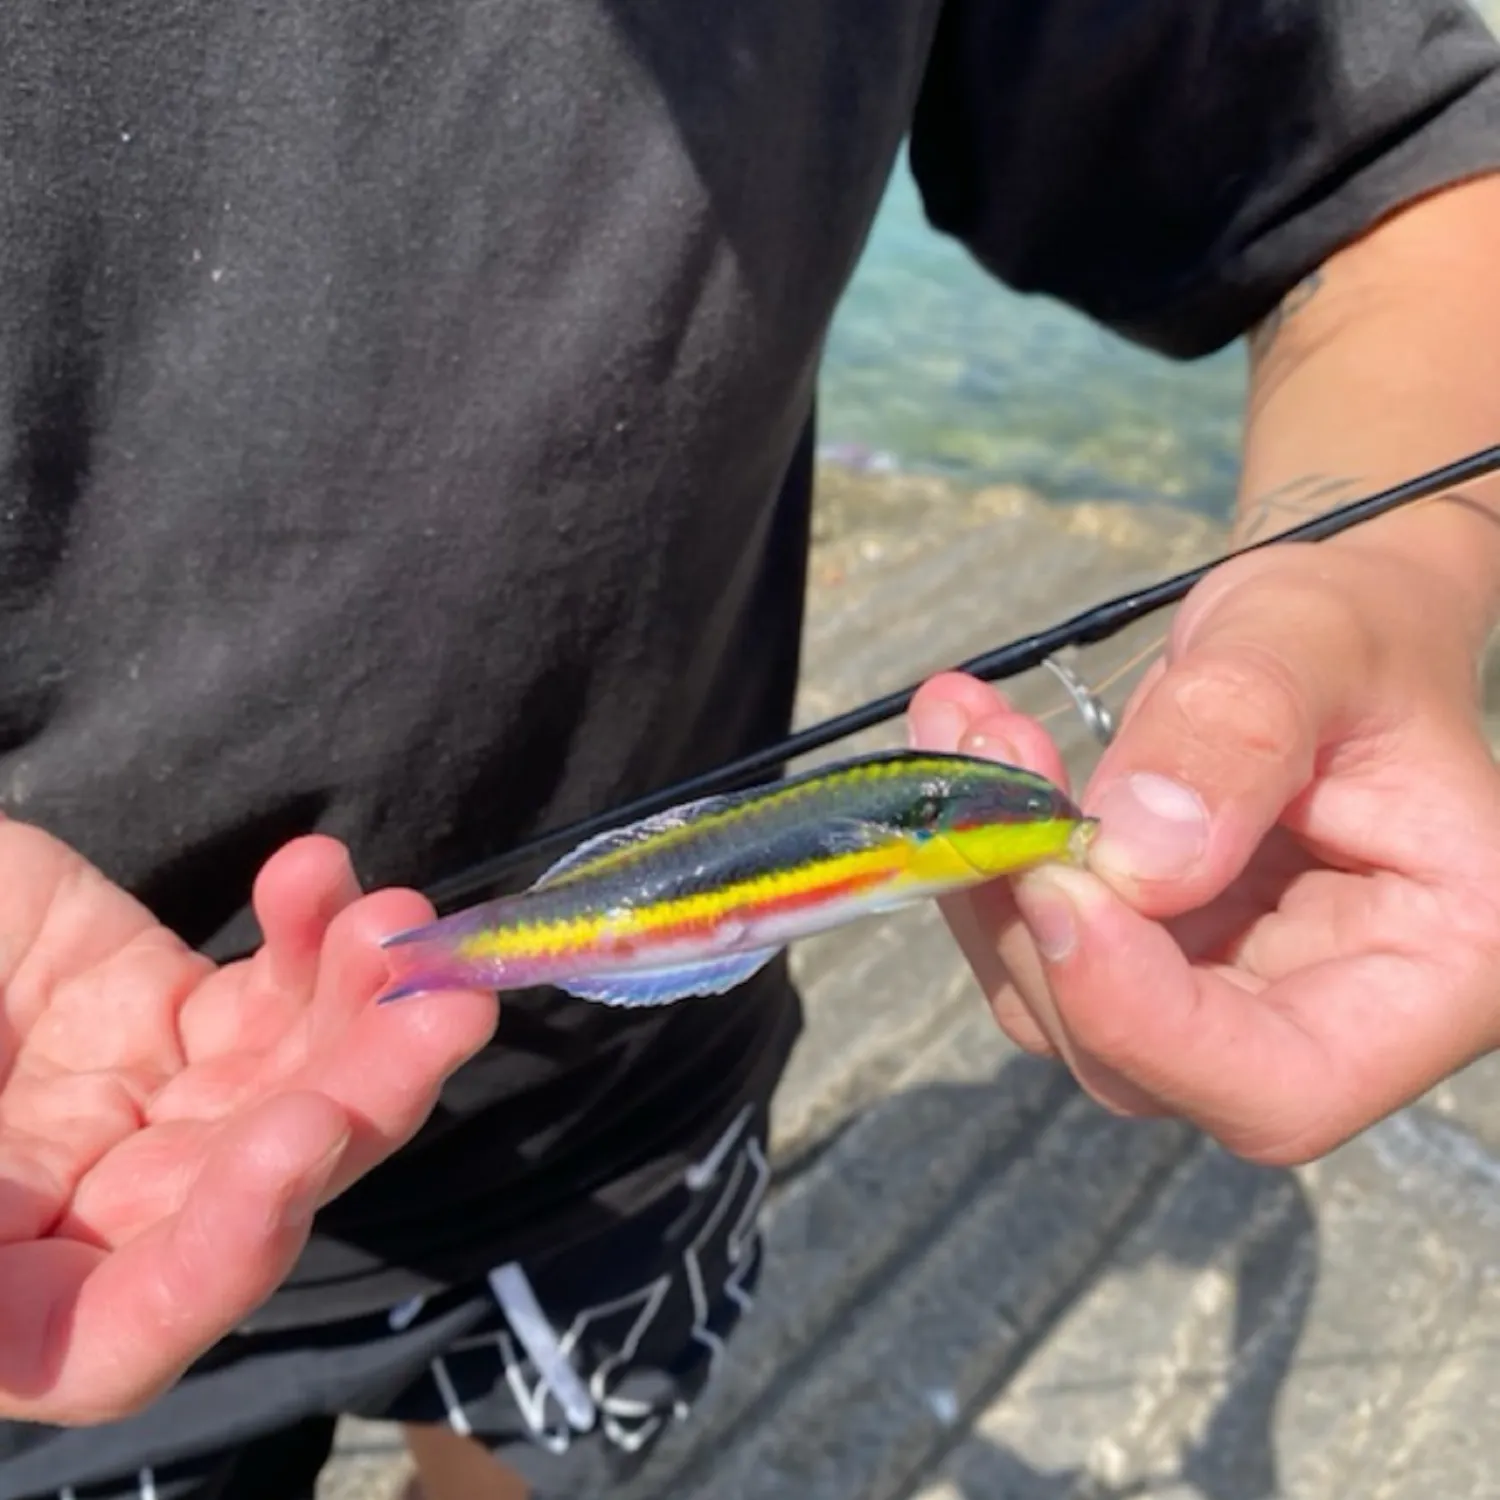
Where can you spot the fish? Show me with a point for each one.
(695, 900)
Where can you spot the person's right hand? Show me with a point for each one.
(1289, 927)
(168, 1128)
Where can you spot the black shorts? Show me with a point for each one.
(568, 1369)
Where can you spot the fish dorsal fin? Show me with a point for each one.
(595, 851)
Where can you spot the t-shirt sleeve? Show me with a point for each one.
(1173, 167)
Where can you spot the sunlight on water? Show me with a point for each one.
(933, 365)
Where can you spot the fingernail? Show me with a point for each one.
(942, 727)
(1049, 914)
(986, 746)
(350, 890)
(1150, 828)
(307, 1197)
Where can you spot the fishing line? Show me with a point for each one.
(1092, 691)
(1098, 623)
(1092, 709)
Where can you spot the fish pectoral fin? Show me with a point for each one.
(898, 900)
(851, 836)
(714, 976)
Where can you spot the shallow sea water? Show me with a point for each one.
(935, 367)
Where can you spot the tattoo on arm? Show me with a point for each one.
(1290, 504)
(1263, 335)
(1261, 517)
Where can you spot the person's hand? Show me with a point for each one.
(1291, 921)
(167, 1128)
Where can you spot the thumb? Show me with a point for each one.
(1259, 676)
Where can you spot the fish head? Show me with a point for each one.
(996, 819)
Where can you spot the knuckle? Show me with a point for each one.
(1108, 1037)
(1031, 1042)
(1122, 1100)
(1241, 698)
(1285, 1143)
(1015, 1019)
(1249, 705)
(1273, 1152)
(1295, 588)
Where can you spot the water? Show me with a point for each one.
(935, 366)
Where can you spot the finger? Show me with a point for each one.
(385, 1063)
(299, 891)
(986, 926)
(143, 1180)
(1260, 677)
(953, 712)
(216, 1087)
(248, 1007)
(53, 1129)
(353, 967)
(989, 928)
(1143, 690)
(88, 1336)
(945, 705)
(1278, 1073)
(1017, 741)
(1106, 1085)
(1134, 1013)
(984, 922)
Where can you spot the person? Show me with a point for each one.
(409, 430)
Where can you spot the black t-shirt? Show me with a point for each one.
(406, 418)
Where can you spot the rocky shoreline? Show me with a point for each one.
(872, 526)
(851, 499)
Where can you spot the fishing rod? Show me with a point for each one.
(1098, 623)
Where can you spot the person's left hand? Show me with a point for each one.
(168, 1128)
(1291, 921)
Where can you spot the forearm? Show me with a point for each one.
(1382, 365)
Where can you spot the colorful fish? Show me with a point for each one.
(695, 900)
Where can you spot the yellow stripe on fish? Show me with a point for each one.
(759, 894)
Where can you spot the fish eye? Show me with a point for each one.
(1038, 803)
(927, 811)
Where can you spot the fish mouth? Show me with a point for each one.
(1083, 834)
(1001, 850)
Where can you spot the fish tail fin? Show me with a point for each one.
(422, 959)
(405, 990)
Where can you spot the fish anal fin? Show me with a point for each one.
(714, 976)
